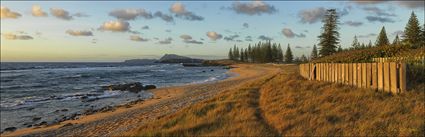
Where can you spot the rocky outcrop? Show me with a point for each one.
(173, 58)
(132, 87)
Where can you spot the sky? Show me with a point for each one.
(103, 31)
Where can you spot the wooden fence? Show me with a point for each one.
(420, 59)
(389, 77)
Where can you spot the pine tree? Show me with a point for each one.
(249, 52)
(246, 55)
(355, 44)
(339, 48)
(303, 58)
(329, 39)
(412, 32)
(230, 54)
(396, 41)
(370, 44)
(242, 57)
(423, 36)
(314, 52)
(288, 55)
(235, 53)
(280, 53)
(382, 39)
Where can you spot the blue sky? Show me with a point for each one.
(51, 35)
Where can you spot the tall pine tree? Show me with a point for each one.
(314, 52)
(231, 54)
(412, 32)
(288, 55)
(370, 44)
(382, 39)
(396, 41)
(329, 39)
(355, 44)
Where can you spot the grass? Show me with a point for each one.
(286, 104)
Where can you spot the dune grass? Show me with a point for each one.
(286, 104)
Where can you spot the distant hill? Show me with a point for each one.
(141, 61)
(173, 58)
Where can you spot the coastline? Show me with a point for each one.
(165, 101)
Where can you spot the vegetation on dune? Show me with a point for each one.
(231, 113)
(286, 104)
(366, 55)
(298, 107)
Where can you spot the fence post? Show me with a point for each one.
(364, 75)
(393, 77)
(387, 77)
(402, 77)
(381, 76)
(368, 75)
(354, 74)
(374, 76)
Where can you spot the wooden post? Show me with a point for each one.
(381, 76)
(364, 73)
(374, 76)
(359, 75)
(387, 77)
(354, 74)
(393, 77)
(368, 75)
(402, 77)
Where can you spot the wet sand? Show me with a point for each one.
(165, 101)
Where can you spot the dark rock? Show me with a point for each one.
(36, 118)
(203, 71)
(64, 109)
(10, 129)
(84, 97)
(147, 87)
(132, 87)
(41, 123)
(212, 70)
(68, 124)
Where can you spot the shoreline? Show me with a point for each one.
(160, 95)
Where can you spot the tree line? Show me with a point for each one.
(261, 52)
(329, 43)
(413, 37)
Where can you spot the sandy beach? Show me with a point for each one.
(166, 101)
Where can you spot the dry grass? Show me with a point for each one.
(286, 104)
(301, 107)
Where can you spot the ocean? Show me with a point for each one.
(45, 93)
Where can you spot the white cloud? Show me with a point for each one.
(37, 11)
(7, 13)
(181, 12)
(253, 8)
(214, 35)
(11, 36)
(60, 13)
(79, 33)
(137, 38)
(130, 14)
(115, 26)
(312, 15)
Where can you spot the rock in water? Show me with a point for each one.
(147, 87)
(132, 87)
(10, 129)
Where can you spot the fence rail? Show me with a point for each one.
(386, 76)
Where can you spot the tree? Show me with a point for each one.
(314, 52)
(396, 41)
(382, 39)
(423, 36)
(329, 39)
(355, 44)
(412, 32)
(304, 58)
(230, 54)
(280, 53)
(370, 44)
(235, 53)
(288, 55)
(242, 56)
(339, 48)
